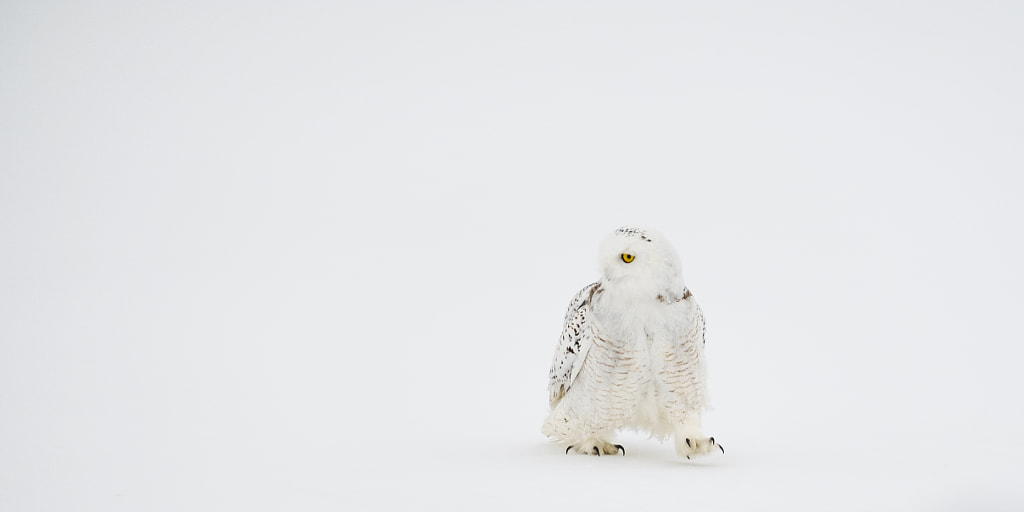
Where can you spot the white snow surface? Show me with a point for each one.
(316, 256)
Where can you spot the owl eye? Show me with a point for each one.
(628, 258)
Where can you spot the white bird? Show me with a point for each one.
(631, 355)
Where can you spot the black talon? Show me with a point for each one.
(712, 441)
(567, 449)
(621, 449)
(688, 444)
(597, 452)
(720, 447)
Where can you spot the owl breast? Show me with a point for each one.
(626, 370)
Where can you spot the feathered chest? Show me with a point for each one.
(642, 321)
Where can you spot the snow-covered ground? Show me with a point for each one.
(316, 257)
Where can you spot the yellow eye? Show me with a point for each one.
(628, 258)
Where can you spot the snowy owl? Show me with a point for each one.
(631, 355)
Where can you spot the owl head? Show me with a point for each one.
(640, 260)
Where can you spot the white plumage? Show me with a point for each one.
(631, 353)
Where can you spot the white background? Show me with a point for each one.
(316, 257)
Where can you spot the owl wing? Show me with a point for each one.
(697, 328)
(577, 338)
(690, 379)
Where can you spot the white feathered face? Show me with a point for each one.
(640, 259)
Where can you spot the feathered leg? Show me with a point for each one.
(578, 435)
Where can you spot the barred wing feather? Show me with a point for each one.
(577, 338)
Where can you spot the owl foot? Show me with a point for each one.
(597, 448)
(696, 446)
